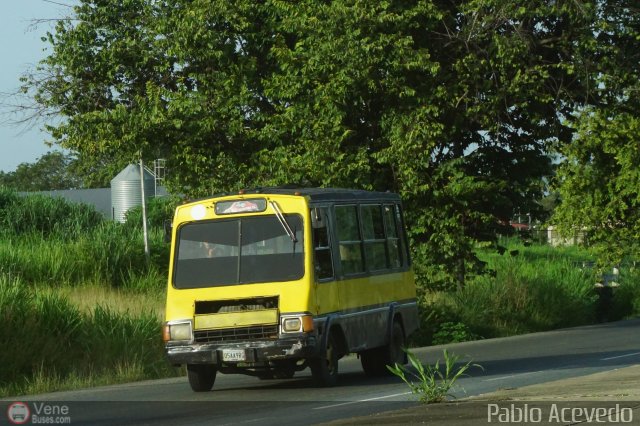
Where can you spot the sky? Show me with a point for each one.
(20, 50)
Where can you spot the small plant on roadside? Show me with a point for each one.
(429, 382)
(454, 332)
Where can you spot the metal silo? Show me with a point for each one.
(126, 190)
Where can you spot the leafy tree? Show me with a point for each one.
(51, 171)
(599, 185)
(451, 103)
(599, 181)
(100, 76)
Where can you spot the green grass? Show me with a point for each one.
(81, 306)
(528, 289)
(109, 254)
(79, 303)
(44, 216)
(431, 383)
(51, 343)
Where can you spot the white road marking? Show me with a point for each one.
(512, 375)
(620, 356)
(362, 400)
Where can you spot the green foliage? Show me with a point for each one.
(115, 253)
(49, 240)
(53, 170)
(528, 289)
(626, 297)
(159, 210)
(598, 185)
(430, 383)
(435, 309)
(452, 105)
(453, 332)
(44, 329)
(45, 216)
(538, 289)
(598, 181)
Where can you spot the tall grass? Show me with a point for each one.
(528, 289)
(526, 296)
(48, 343)
(69, 281)
(109, 254)
(50, 241)
(44, 216)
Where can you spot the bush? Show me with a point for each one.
(528, 289)
(159, 209)
(626, 297)
(435, 309)
(528, 296)
(454, 332)
(45, 216)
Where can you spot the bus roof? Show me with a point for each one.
(322, 194)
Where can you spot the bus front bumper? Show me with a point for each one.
(243, 352)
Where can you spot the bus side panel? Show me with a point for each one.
(327, 298)
(366, 305)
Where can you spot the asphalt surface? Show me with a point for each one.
(517, 384)
(610, 397)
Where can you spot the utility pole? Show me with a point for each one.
(147, 253)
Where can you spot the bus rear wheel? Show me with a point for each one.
(374, 361)
(201, 376)
(324, 369)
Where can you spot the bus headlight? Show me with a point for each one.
(297, 324)
(178, 330)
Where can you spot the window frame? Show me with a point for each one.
(349, 243)
(371, 241)
(239, 257)
(330, 242)
(400, 238)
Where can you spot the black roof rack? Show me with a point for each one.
(318, 194)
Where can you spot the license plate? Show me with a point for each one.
(234, 355)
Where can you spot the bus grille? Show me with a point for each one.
(236, 334)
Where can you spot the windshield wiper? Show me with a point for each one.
(283, 221)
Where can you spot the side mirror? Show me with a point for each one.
(168, 227)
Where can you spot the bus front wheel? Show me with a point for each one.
(201, 376)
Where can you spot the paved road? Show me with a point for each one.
(506, 363)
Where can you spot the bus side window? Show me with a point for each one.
(404, 244)
(394, 243)
(350, 242)
(374, 237)
(321, 246)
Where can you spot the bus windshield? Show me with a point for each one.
(241, 250)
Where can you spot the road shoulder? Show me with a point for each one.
(615, 388)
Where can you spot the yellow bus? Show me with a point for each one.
(271, 281)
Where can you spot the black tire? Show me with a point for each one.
(374, 361)
(395, 353)
(324, 369)
(201, 376)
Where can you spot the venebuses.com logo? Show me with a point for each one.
(18, 413)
